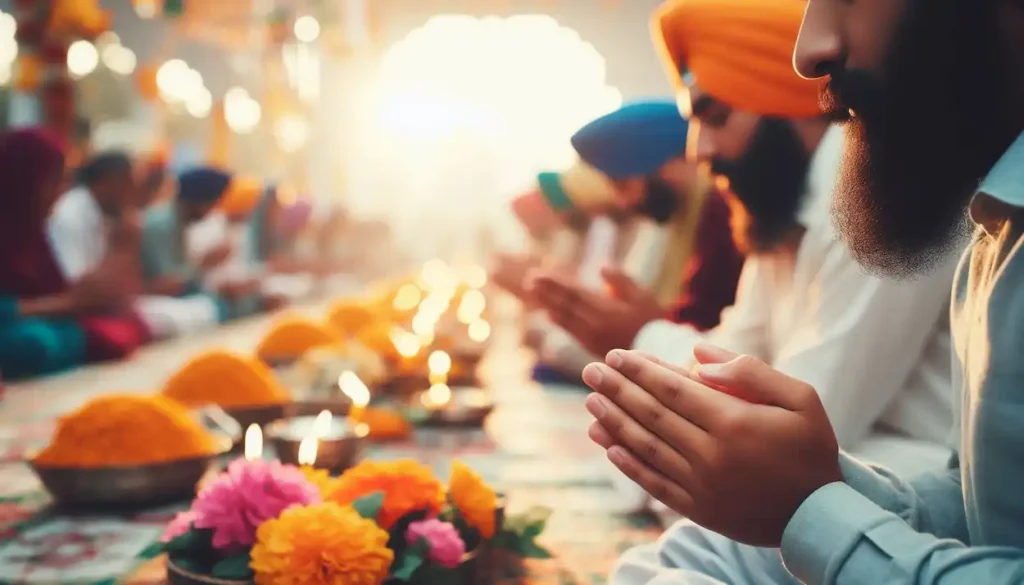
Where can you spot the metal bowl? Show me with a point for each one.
(127, 486)
(261, 415)
(458, 412)
(335, 452)
(176, 575)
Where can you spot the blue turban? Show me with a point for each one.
(203, 185)
(635, 140)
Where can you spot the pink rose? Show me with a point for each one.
(180, 524)
(446, 546)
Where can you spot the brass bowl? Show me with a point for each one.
(335, 452)
(176, 575)
(457, 413)
(127, 486)
(261, 415)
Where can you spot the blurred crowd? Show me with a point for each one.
(103, 256)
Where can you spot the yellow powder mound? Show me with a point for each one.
(124, 429)
(350, 317)
(227, 379)
(291, 337)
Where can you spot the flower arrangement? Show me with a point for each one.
(126, 429)
(226, 379)
(291, 337)
(378, 522)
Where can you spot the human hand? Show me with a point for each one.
(599, 321)
(510, 273)
(737, 468)
(103, 289)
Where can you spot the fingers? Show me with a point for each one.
(600, 436)
(756, 381)
(675, 368)
(621, 284)
(680, 393)
(653, 482)
(706, 353)
(642, 410)
(624, 431)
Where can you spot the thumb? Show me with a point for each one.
(622, 286)
(751, 379)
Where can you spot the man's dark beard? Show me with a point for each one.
(660, 200)
(923, 133)
(769, 182)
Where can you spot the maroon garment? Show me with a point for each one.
(28, 269)
(713, 271)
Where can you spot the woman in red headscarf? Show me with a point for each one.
(46, 323)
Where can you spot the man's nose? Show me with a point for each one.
(818, 48)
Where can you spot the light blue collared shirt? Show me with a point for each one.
(963, 525)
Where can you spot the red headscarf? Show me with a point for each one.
(28, 158)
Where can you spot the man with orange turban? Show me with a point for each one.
(803, 305)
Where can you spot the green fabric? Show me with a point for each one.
(262, 239)
(34, 347)
(551, 188)
(162, 251)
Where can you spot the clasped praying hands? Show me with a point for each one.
(734, 445)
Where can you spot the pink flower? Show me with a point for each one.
(248, 494)
(180, 524)
(446, 546)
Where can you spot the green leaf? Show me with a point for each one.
(235, 567)
(534, 529)
(152, 551)
(369, 505)
(186, 564)
(408, 564)
(532, 550)
(184, 543)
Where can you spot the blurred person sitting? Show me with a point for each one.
(49, 321)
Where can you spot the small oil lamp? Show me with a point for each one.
(323, 442)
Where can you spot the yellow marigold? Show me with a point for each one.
(126, 429)
(350, 317)
(476, 501)
(320, 478)
(227, 379)
(407, 486)
(292, 336)
(321, 544)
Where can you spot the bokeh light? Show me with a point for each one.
(83, 58)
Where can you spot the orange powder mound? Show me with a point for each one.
(291, 337)
(125, 429)
(226, 379)
(377, 338)
(350, 317)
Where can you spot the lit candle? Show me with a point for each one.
(437, 397)
(407, 298)
(253, 442)
(356, 391)
(322, 424)
(307, 451)
(406, 344)
(440, 364)
(479, 331)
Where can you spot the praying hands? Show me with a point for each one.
(735, 446)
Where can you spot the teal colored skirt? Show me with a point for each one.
(36, 347)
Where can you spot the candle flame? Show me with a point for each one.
(423, 324)
(479, 331)
(407, 298)
(472, 306)
(439, 363)
(307, 451)
(253, 442)
(322, 424)
(406, 344)
(438, 396)
(352, 387)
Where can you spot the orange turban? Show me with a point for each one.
(739, 51)
(241, 198)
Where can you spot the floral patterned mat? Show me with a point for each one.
(534, 448)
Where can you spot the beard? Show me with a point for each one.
(660, 201)
(922, 134)
(767, 184)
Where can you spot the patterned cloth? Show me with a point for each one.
(534, 448)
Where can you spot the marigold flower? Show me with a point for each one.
(126, 429)
(227, 379)
(321, 544)
(292, 336)
(476, 501)
(320, 478)
(408, 486)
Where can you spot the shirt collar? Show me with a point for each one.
(1003, 187)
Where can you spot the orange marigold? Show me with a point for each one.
(126, 429)
(320, 544)
(407, 486)
(476, 501)
(350, 317)
(292, 336)
(227, 379)
(320, 478)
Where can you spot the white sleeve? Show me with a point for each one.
(68, 235)
(744, 326)
(861, 337)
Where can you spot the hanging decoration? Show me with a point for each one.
(45, 30)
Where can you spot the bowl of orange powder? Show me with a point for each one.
(126, 450)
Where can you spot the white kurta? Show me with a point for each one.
(78, 235)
